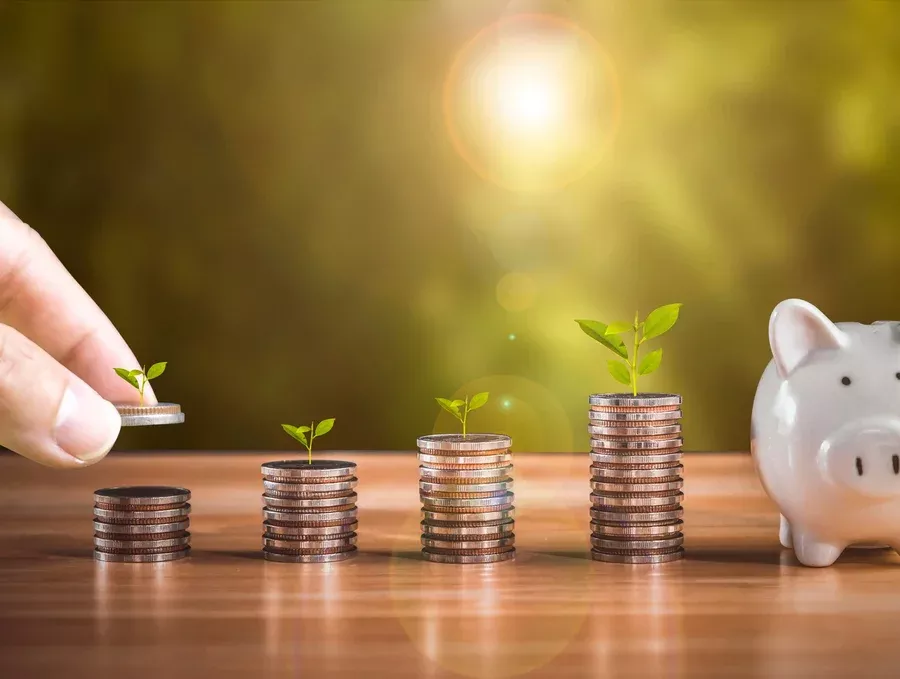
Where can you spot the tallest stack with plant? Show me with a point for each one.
(635, 449)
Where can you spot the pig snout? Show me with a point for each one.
(865, 457)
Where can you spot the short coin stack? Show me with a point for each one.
(636, 478)
(141, 524)
(309, 511)
(465, 485)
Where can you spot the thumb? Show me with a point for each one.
(48, 414)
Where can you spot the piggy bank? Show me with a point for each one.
(825, 434)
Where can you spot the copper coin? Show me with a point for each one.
(665, 498)
(468, 552)
(459, 504)
(606, 544)
(617, 486)
(128, 496)
(488, 475)
(605, 431)
(317, 545)
(318, 503)
(128, 546)
(638, 558)
(140, 529)
(463, 530)
(637, 529)
(497, 488)
(632, 516)
(477, 559)
(307, 517)
(469, 517)
(302, 469)
(142, 558)
(311, 550)
(457, 546)
(309, 558)
(344, 529)
(141, 517)
(672, 456)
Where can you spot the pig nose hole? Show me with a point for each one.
(859, 468)
(896, 461)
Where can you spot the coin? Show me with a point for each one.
(311, 549)
(142, 558)
(618, 486)
(606, 418)
(306, 517)
(460, 530)
(140, 529)
(137, 550)
(341, 530)
(495, 488)
(457, 545)
(644, 529)
(468, 552)
(466, 461)
(139, 517)
(144, 416)
(633, 514)
(606, 431)
(342, 486)
(300, 503)
(301, 469)
(488, 475)
(128, 496)
(638, 558)
(308, 558)
(613, 457)
(318, 544)
(476, 559)
(107, 544)
(606, 544)
(472, 444)
(473, 517)
(631, 474)
(663, 498)
(650, 444)
(463, 503)
(630, 401)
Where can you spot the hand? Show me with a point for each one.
(57, 354)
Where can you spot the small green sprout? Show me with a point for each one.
(314, 430)
(453, 407)
(131, 376)
(657, 322)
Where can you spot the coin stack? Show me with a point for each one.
(465, 484)
(636, 478)
(309, 510)
(141, 523)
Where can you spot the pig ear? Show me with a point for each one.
(797, 329)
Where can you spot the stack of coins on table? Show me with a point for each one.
(465, 484)
(636, 478)
(141, 524)
(309, 511)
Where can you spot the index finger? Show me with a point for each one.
(42, 300)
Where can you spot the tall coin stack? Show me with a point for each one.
(309, 511)
(636, 478)
(141, 524)
(465, 485)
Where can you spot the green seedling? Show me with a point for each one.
(139, 378)
(460, 409)
(314, 430)
(627, 371)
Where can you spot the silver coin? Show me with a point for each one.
(433, 543)
(662, 499)
(313, 544)
(142, 558)
(490, 528)
(466, 461)
(108, 544)
(154, 515)
(309, 531)
(307, 503)
(472, 559)
(457, 443)
(629, 474)
(628, 418)
(497, 487)
(619, 487)
(473, 475)
(646, 444)
(473, 517)
(601, 431)
(309, 558)
(639, 530)
(338, 487)
(302, 469)
(611, 457)
(141, 495)
(649, 400)
(637, 558)
(140, 529)
(614, 544)
(605, 516)
(486, 502)
(146, 416)
(284, 516)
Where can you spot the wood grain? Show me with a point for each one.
(739, 605)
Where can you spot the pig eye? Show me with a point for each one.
(897, 375)
(846, 380)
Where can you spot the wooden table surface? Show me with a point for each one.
(738, 605)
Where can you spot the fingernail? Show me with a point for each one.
(87, 426)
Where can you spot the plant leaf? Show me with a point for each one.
(618, 328)
(128, 377)
(478, 400)
(156, 370)
(597, 330)
(449, 406)
(620, 371)
(324, 427)
(650, 362)
(660, 320)
(295, 432)
(458, 402)
(303, 429)
(136, 372)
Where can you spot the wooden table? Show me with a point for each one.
(738, 605)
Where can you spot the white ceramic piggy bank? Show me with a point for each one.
(825, 432)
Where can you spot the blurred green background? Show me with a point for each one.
(268, 195)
